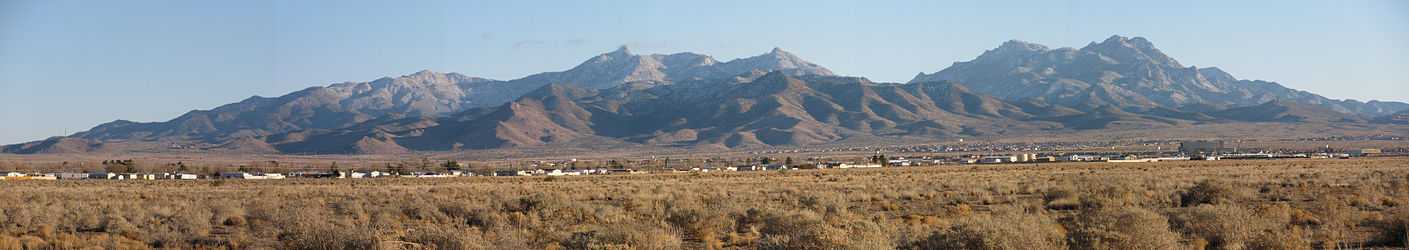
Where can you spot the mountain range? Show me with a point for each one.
(693, 100)
(1125, 72)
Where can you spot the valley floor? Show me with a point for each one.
(1255, 204)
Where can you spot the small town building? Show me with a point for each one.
(133, 176)
(181, 176)
(18, 176)
(72, 176)
(1026, 157)
(513, 173)
(995, 159)
(846, 165)
(560, 172)
(1366, 152)
(251, 176)
(365, 174)
(102, 176)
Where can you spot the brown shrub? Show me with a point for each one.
(1122, 228)
(627, 236)
(808, 230)
(1005, 230)
(1393, 229)
(315, 235)
(445, 239)
(1213, 191)
(1222, 226)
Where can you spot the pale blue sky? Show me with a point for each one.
(66, 66)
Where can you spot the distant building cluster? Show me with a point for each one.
(1188, 150)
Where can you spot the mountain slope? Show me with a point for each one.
(335, 106)
(773, 109)
(1283, 111)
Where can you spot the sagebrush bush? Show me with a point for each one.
(1006, 230)
(1122, 228)
(1214, 191)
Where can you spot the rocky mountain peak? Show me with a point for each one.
(1136, 42)
(622, 53)
(623, 50)
(780, 53)
(1131, 50)
(1012, 50)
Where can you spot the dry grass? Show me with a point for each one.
(1296, 204)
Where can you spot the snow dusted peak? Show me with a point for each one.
(1011, 50)
(778, 59)
(1132, 50)
(1132, 42)
(1021, 46)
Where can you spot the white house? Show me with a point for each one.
(560, 172)
(133, 176)
(23, 176)
(429, 175)
(998, 159)
(367, 174)
(249, 176)
(848, 165)
(181, 176)
(14, 176)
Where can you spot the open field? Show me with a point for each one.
(1282, 204)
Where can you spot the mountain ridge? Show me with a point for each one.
(693, 100)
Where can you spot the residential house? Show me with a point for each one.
(998, 159)
(560, 172)
(366, 174)
(134, 176)
(249, 176)
(513, 173)
(102, 176)
(181, 176)
(854, 165)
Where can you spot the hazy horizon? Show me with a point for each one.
(66, 66)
